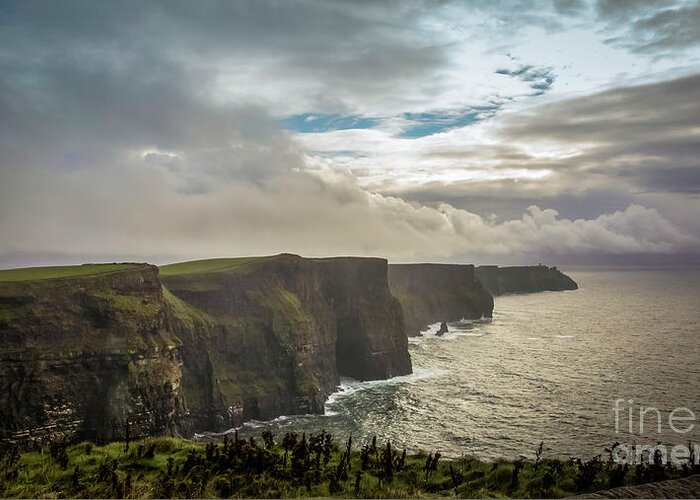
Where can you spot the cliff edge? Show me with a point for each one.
(523, 279)
(97, 352)
(83, 351)
(431, 293)
(271, 336)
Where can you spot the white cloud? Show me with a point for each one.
(142, 211)
(119, 138)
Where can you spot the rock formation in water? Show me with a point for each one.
(431, 293)
(523, 279)
(443, 329)
(204, 346)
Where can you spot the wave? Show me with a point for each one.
(462, 328)
(349, 386)
(250, 424)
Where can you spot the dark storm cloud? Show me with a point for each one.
(508, 199)
(631, 131)
(83, 83)
(72, 111)
(679, 179)
(356, 50)
(629, 114)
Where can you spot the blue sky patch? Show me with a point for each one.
(425, 124)
(312, 122)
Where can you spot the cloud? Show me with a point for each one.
(141, 167)
(584, 157)
(646, 135)
(539, 79)
(247, 48)
(152, 131)
(142, 212)
(655, 26)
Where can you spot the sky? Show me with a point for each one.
(556, 131)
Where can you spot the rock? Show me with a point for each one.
(87, 354)
(429, 293)
(523, 279)
(443, 329)
(280, 332)
(202, 347)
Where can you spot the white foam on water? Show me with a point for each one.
(349, 386)
(249, 424)
(429, 332)
(462, 328)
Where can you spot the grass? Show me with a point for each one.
(293, 466)
(286, 307)
(208, 266)
(184, 311)
(56, 272)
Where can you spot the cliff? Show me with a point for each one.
(83, 350)
(431, 293)
(204, 345)
(523, 279)
(271, 336)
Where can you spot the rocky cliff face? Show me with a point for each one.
(279, 332)
(431, 293)
(371, 343)
(81, 355)
(523, 279)
(204, 346)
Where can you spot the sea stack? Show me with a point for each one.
(431, 293)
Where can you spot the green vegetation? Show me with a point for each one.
(286, 307)
(184, 311)
(209, 266)
(298, 466)
(47, 273)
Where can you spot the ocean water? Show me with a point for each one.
(548, 367)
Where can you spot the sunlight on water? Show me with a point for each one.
(548, 367)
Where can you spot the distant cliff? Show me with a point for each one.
(431, 293)
(523, 279)
(93, 352)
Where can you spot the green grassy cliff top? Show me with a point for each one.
(210, 265)
(56, 272)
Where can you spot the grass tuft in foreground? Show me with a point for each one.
(297, 466)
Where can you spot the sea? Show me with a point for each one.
(572, 370)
